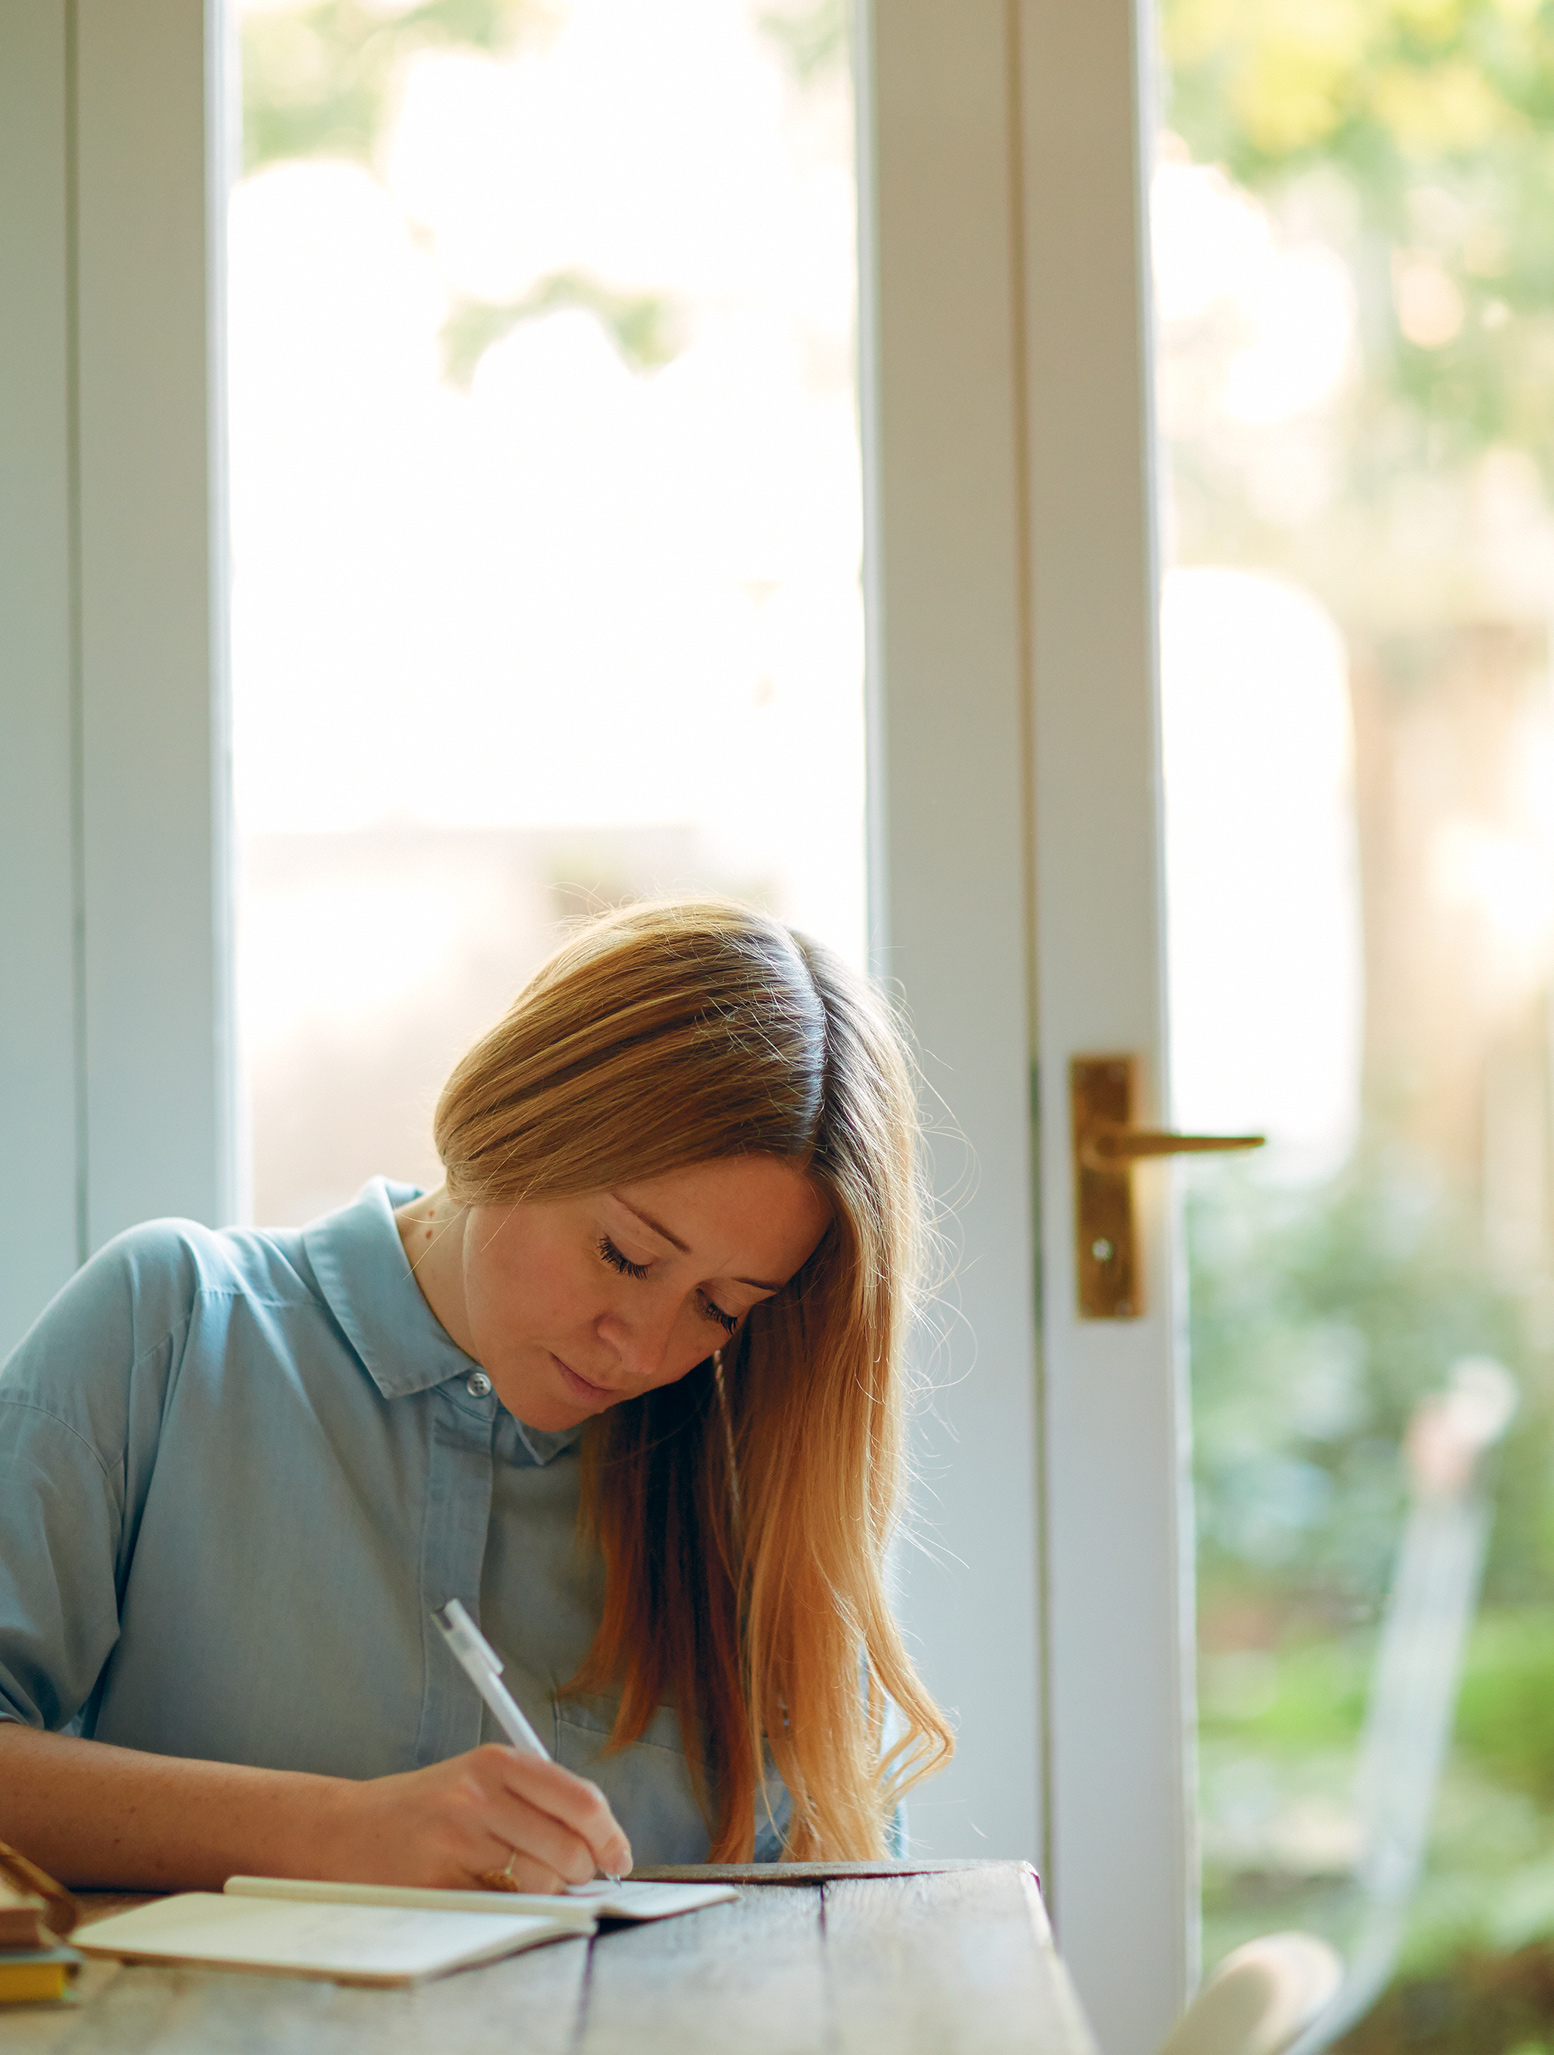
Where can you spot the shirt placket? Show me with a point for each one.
(458, 1516)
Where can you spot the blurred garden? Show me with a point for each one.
(1388, 167)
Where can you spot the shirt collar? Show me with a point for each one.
(365, 1278)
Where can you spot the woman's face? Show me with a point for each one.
(571, 1305)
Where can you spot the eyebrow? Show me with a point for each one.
(756, 1284)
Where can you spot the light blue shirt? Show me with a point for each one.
(238, 1469)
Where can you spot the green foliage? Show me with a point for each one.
(1318, 1321)
(1315, 1695)
(641, 324)
(1315, 1700)
(317, 80)
(1505, 1715)
(1381, 87)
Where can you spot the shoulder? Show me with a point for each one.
(146, 1284)
(92, 1380)
(102, 1358)
(174, 1263)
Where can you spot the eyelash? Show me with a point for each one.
(617, 1260)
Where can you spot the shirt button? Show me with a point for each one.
(477, 1384)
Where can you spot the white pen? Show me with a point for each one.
(481, 1664)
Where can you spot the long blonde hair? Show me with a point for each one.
(744, 1511)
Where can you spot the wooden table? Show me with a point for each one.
(889, 1959)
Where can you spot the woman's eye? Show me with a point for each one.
(618, 1260)
(727, 1321)
(612, 1255)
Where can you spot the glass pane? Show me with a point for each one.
(1356, 312)
(546, 515)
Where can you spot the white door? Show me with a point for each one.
(1018, 805)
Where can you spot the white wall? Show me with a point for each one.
(116, 1095)
(39, 1088)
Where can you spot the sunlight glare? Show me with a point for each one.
(1262, 868)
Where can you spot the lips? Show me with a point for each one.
(582, 1386)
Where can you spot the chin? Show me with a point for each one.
(548, 1413)
(552, 1420)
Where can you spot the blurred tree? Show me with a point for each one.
(1418, 136)
(321, 80)
(317, 80)
(642, 324)
(1415, 138)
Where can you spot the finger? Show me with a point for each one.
(574, 1801)
(577, 1803)
(513, 1822)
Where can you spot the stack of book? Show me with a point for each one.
(35, 1916)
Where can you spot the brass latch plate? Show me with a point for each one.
(1101, 1096)
(1108, 1267)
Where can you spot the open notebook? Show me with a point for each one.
(370, 1933)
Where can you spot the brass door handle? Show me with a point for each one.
(1109, 1146)
(1109, 1275)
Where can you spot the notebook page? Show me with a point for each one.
(648, 1901)
(426, 1897)
(583, 1903)
(355, 1943)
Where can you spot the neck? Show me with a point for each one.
(431, 1232)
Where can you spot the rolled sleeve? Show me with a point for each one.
(60, 1518)
(80, 1406)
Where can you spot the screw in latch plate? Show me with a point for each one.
(1102, 1250)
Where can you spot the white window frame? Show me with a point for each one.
(117, 1088)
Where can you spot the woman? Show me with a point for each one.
(629, 1385)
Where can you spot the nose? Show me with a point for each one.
(640, 1340)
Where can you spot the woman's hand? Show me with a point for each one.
(114, 1818)
(492, 1809)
